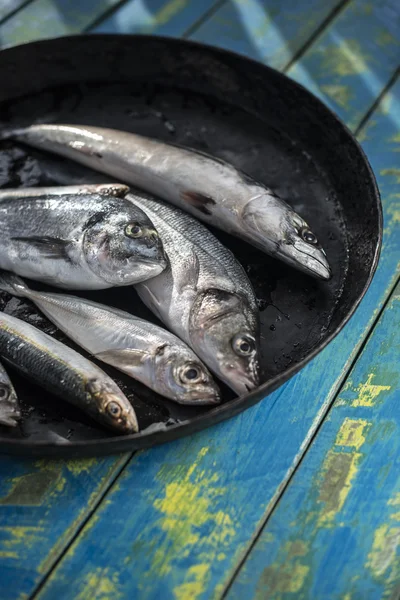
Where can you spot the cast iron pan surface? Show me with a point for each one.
(235, 109)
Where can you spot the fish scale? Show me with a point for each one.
(63, 372)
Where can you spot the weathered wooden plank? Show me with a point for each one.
(271, 31)
(51, 18)
(200, 501)
(347, 67)
(172, 18)
(352, 62)
(42, 505)
(336, 533)
(7, 7)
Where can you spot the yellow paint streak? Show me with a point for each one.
(341, 94)
(395, 516)
(394, 172)
(351, 433)
(384, 549)
(368, 392)
(338, 472)
(98, 585)
(77, 467)
(344, 60)
(20, 536)
(193, 586)
(187, 506)
(166, 13)
(8, 554)
(395, 501)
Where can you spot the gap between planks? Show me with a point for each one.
(13, 12)
(91, 512)
(285, 484)
(317, 33)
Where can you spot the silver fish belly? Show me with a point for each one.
(204, 296)
(65, 373)
(10, 412)
(84, 240)
(146, 352)
(209, 188)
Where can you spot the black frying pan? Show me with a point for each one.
(236, 109)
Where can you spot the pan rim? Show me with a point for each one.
(117, 444)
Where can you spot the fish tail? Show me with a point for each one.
(12, 284)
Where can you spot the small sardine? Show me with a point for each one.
(65, 373)
(204, 296)
(90, 238)
(207, 187)
(10, 412)
(141, 349)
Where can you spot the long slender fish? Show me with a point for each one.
(204, 296)
(141, 349)
(207, 187)
(65, 373)
(10, 412)
(89, 237)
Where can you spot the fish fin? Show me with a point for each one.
(152, 301)
(49, 247)
(13, 284)
(193, 271)
(123, 356)
(116, 190)
(199, 201)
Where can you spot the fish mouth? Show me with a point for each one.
(306, 258)
(201, 397)
(129, 423)
(11, 418)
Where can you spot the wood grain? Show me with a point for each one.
(336, 532)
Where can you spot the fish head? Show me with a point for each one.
(224, 332)
(111, 406)
(281, 232)
(183, 377)
(123, 247)
(9, 410)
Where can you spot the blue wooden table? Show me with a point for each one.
(299, 497)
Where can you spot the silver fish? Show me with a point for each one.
(209, 188)
(10, 412)
(204, 296)
(141, 349)
(90, 239)
(65, 373)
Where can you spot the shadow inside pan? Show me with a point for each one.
(267, 126)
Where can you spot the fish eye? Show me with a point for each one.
(243, 345)
(133, 230)
(190, 374)
(308, 236)
(4, 392)
(114, 409)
